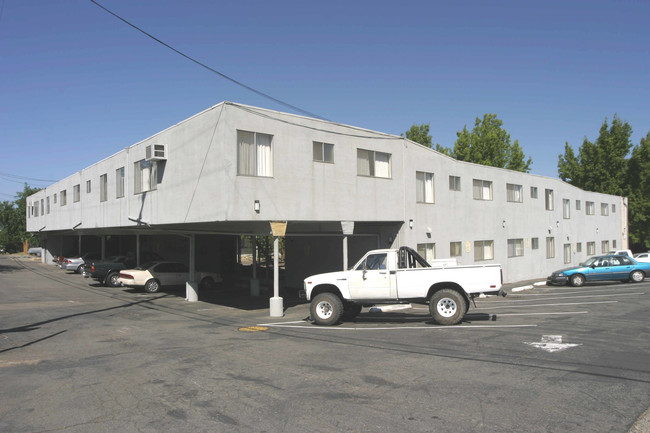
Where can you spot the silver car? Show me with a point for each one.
(76, 264)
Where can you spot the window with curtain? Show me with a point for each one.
(76, 193)
(591, 248)
(323, 152)
(566, 208)
(145, 176)
(514, 193)
(373, 164)
(119, 182)
(590, 208)
(103, 187)
(604, 209)
(515, 247)
(427, 251)
(454, 183)
(550, 247)
(424, 187)
(567, 253)
(550, 203)
(483, 250)
(254, 154)
(482, 189)
(455, 249)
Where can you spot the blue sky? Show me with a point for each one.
(77, 85)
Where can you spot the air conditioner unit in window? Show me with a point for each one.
(156, 152)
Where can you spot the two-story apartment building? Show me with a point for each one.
(232, 169)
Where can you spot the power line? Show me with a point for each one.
(8, 176)
(203, 65)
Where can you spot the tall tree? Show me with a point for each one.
(419, 134)
(12, 221)
(639, 194)
(600, 166)
(488, 144)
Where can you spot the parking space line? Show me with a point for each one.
(616, 295)
(345, 328)
(575, 291)
(543, 314)
(545, 305)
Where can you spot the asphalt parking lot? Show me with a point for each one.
(76, 357)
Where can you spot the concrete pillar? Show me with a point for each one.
(276, 302)
(348, 229)
(254, 283)
(192, 286)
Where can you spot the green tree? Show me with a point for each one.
(639, 194)
(488, 144)
(600, 166)
(12, 221)
(419, 134)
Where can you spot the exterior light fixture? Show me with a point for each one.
(411, 224)
(256, 206)
(503, 224)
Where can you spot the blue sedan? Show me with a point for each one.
(601, 268)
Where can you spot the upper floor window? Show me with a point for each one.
(47, 204)
(254, 154)
(323, 152)
(373, 164)
(590, 208)
(455, 249)
(454, 183)
(145, 176)
(76, 193)
(54, 198)
(88, 188)
(591, 248)
(119, 182)
(613, 208)
(578, 205)
(427, 251)
(604, 209)
(533, 192)
(604, 247)
(566, 208)
(515, 247)
(534, 242)
(103, 187)
(64, 197)
(514, 193)
(424, 187)
(550, 203)
(482, 189)
(550, 247)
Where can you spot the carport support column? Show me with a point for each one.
(276, 305)
(348, 229)
(191, 286)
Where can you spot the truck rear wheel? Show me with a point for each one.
(447, 307)
(326, 309)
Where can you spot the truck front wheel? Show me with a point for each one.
(326, 309)
(447, 307)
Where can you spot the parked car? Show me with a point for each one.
(642, 257)
(76, 263)
(35, 251)
(608, 267)
(154, 275)
(107, 271)
(621, 253)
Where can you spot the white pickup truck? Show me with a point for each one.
(398, 277)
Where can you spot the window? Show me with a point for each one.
(482, 189)
(533, 192)
(613, 208)
(88, 187)
(604, 247)
(64, 197)
(590, 208)
(54, 199)
(579, 247)
(323, 152)
(591, 248)
(514, 193)
(454, 183)
(373, 164)
(613, 242)
(427, 251)
(254, 154)
(550, 205)
(103, 187)
(455, 249)
(567, 253)
(604, 209)
(424, 187)
(566, 208)
(535, 243)
(550, 247)
(145, 176)
(373, 262)
(578, 204)
(76, 193)
(35, 209)
(483, 250)
(119, 182)
(515, 247)
(42, 207)
(47, 204)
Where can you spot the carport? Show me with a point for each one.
(309, 247)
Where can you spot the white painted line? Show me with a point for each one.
(540, 283)
(521, 289)
(541, 314)
(546, 305)
(614, 295)
(342, 328)
(579, 291)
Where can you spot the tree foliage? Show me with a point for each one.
(603, 166)
(420, 134)
(12, 221)
(488, 144)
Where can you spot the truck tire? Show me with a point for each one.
(447, 307)
(350, 311)
(111, 279)
(326, 309)
(152, 286)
